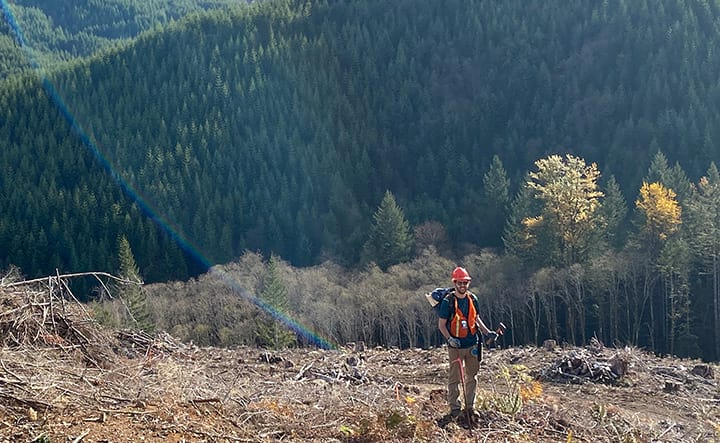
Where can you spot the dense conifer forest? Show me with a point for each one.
(298, 128)
(53, 32)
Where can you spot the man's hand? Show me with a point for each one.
(453, 342)
(490, 337)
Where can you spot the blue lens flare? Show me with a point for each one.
(143, 203)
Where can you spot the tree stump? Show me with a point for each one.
(549, 345)
(672, 386)
(703, 370)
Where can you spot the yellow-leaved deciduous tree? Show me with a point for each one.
(661, 211)
(660, 218)
(568, 190)
(559, 233)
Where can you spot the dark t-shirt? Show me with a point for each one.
(447, 310)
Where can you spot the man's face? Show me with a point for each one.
(461, 286)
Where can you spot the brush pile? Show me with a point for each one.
(594, 363)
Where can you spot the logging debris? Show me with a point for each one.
(65, 378)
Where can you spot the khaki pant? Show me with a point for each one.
(470, 366)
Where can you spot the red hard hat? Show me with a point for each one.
(460, 274)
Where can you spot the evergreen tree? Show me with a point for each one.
(679, 182)
(496, 201)
(270, 329)
(613, 213)
(518, 239)
(703, 223)
(659, 170)
(132, 293)
(391, 240)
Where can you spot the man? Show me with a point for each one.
(459, 323)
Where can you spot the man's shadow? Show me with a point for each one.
(461, 420)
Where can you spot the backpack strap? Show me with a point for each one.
(453, 301)
(475, 300)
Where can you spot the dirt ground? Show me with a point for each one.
(63, 378)
(171, 392)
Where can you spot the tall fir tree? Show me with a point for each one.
(271, 330)
(496, 201)
(518, 239)
(391, 240)
(703, 222)
(659, 170)
(613, 212)
(132, 293)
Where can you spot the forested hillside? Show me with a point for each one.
(278, 127)
(55, 31)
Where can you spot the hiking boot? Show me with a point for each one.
(455, 413)
(473, 417)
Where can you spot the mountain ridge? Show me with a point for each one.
(284, 109)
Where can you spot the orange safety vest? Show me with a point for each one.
(459, 324)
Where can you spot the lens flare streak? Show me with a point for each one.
(86, 139)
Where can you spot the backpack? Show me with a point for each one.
(436, 296)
